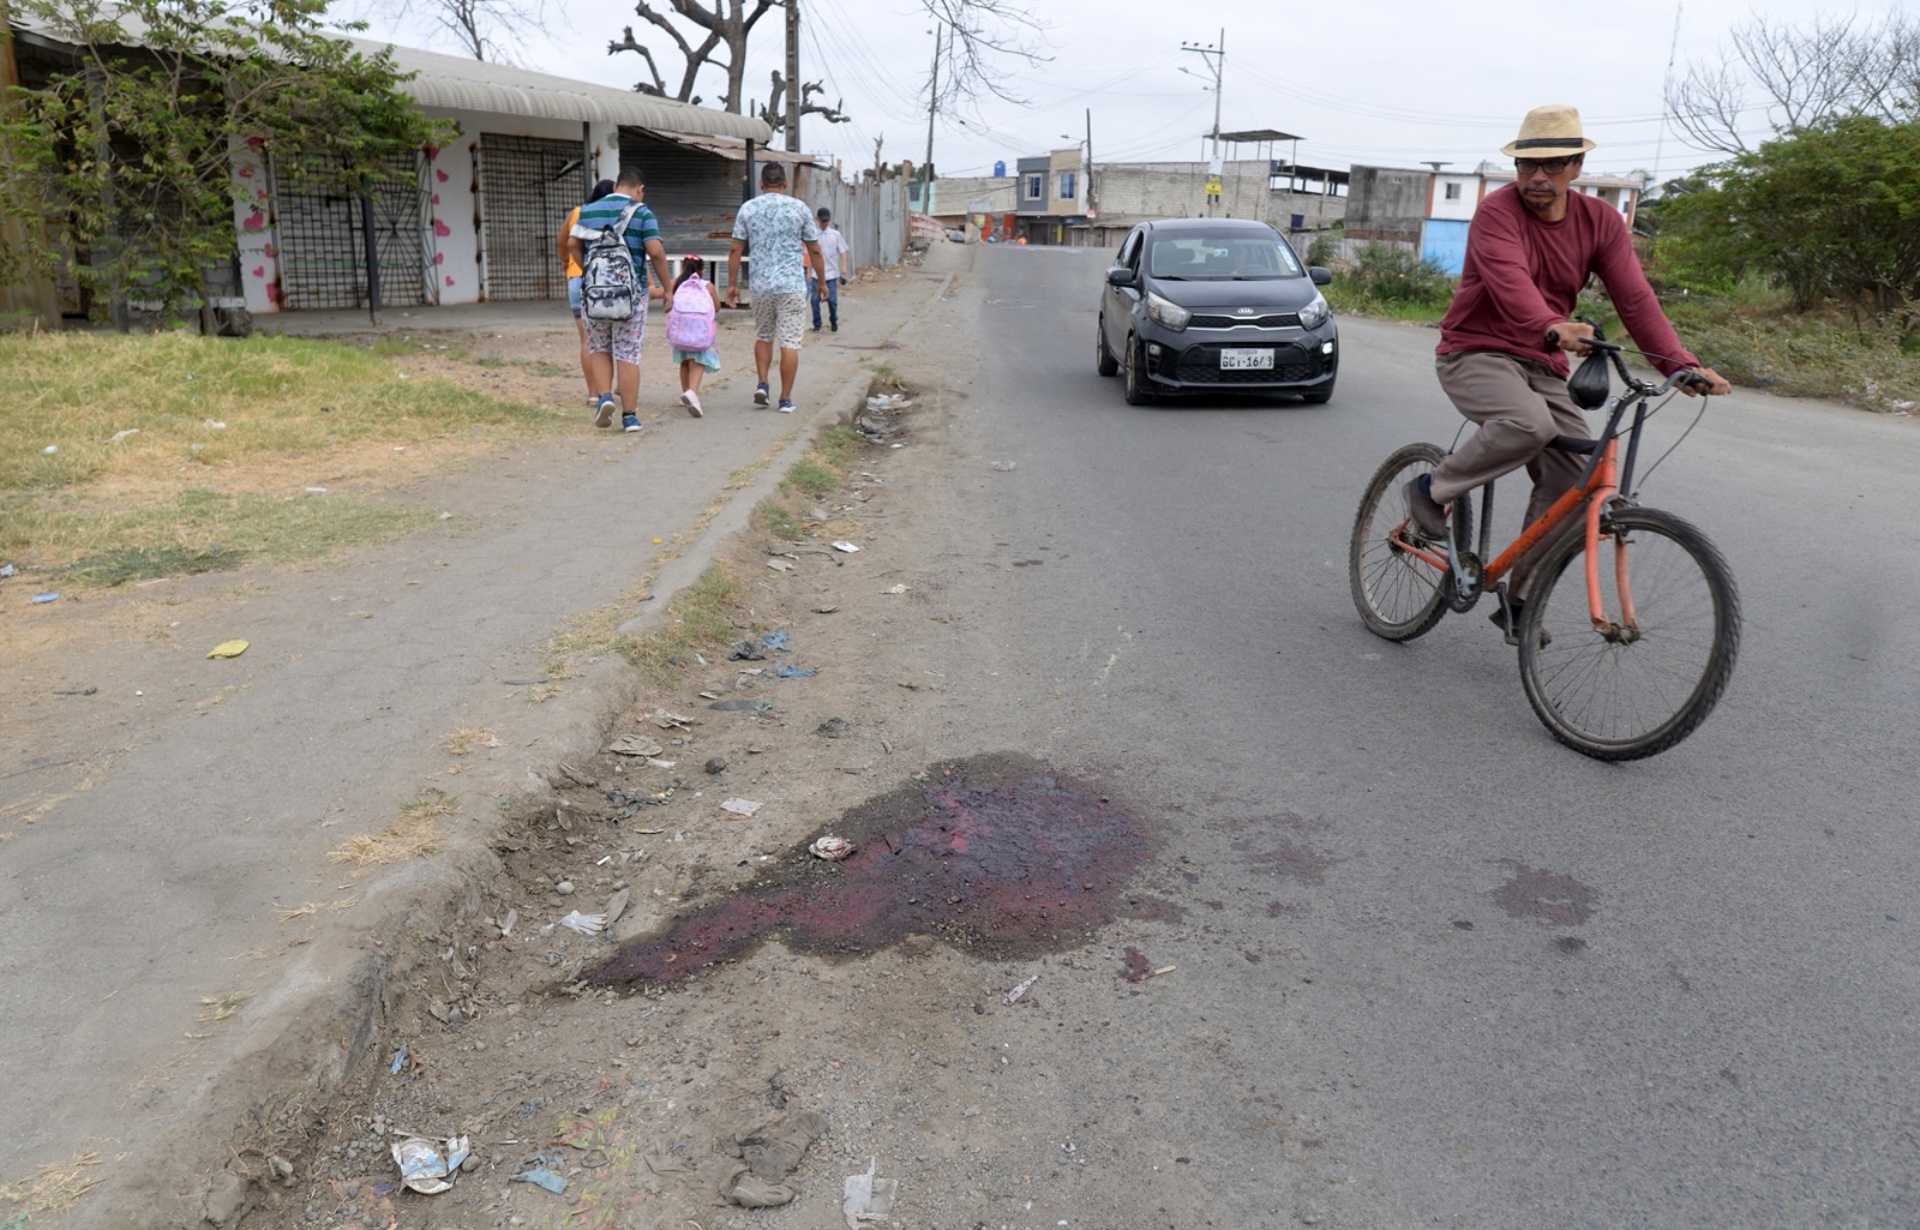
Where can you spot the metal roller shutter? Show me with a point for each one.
(527, 185)
(692, 192)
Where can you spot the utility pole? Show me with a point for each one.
(1215, 55)
(793, 76)
(933, 105)
(1091, 207)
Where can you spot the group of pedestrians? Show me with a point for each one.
(608, 244)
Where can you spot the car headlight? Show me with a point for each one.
(1167, 312)
(1315, 314)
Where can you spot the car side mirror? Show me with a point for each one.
(1120, 275)
(1320, 274)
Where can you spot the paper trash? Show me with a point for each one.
(868, 1198)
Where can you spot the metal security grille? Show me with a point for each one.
(527, 185)
(322, 253)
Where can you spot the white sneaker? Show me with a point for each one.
(786, 405)
(691, 400)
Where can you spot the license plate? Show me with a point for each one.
(1247, 360)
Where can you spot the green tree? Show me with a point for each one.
(1830, 210)
(130, 157)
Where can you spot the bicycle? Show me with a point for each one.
(1613, 689)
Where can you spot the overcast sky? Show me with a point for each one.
(1382, 82)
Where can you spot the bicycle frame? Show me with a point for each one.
(1602, 481)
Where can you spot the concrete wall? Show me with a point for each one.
(952, 197)
(1386, 203)
(1027, 168)
(1136, 190)
(1466, 198)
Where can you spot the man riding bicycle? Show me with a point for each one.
(1532, 247)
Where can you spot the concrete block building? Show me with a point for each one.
(1432, 210)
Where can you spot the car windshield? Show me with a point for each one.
(1232, 255)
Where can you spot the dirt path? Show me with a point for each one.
(878, 992)
(942, 1000)
(182, 947)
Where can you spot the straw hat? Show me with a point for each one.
(1549, 132)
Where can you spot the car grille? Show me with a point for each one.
(1291, 365)
(1282, 320)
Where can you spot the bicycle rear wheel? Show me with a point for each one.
(1398, 594)
(1640, 693)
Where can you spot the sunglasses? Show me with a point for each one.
(1552, 166)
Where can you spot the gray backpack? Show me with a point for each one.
(609, 283)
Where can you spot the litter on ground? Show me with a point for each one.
(426, 1166)
(585, 924)
(868, 1197)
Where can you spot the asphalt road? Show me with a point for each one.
(1434, 968)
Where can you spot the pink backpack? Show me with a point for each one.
(690, 323)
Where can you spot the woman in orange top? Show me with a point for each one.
(574, 274)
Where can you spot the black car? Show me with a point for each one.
(1215, 305)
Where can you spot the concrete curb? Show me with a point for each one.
(327, 1010)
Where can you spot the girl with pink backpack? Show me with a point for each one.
(693, 310)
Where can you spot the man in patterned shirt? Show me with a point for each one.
(784, 241)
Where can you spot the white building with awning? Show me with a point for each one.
(477, 218)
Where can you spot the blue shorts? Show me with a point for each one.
(573, 294)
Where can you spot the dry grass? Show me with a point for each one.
(54, 1188)
(414, 834)
(700, 620)
(218, 442)
(461, 742)
(220, 1007)
(311, 908)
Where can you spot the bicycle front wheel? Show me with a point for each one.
(1399, 595)
(1646, 687)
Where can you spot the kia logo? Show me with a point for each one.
(1246, 311)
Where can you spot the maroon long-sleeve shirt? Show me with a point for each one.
(1522, 277)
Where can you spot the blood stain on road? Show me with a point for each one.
(1547, 896)
(997, 854)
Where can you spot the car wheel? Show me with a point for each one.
(1103, 362)
(1137, 385)
(1320, 396)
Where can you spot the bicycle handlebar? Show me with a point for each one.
(1613, 350)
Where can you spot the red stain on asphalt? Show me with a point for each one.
(996, 854)
(1547, 896)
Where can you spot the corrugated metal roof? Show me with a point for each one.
(459, 84)
(470, 85)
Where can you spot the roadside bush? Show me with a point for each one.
(1324, 249)
(1827, 211)
(1394, 282)
(1392, 274)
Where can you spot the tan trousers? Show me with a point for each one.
(1520, 405)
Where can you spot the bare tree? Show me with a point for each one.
(727, 23)
(981, 34)
(775, 110)
(1793, 75)
(491, 30)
